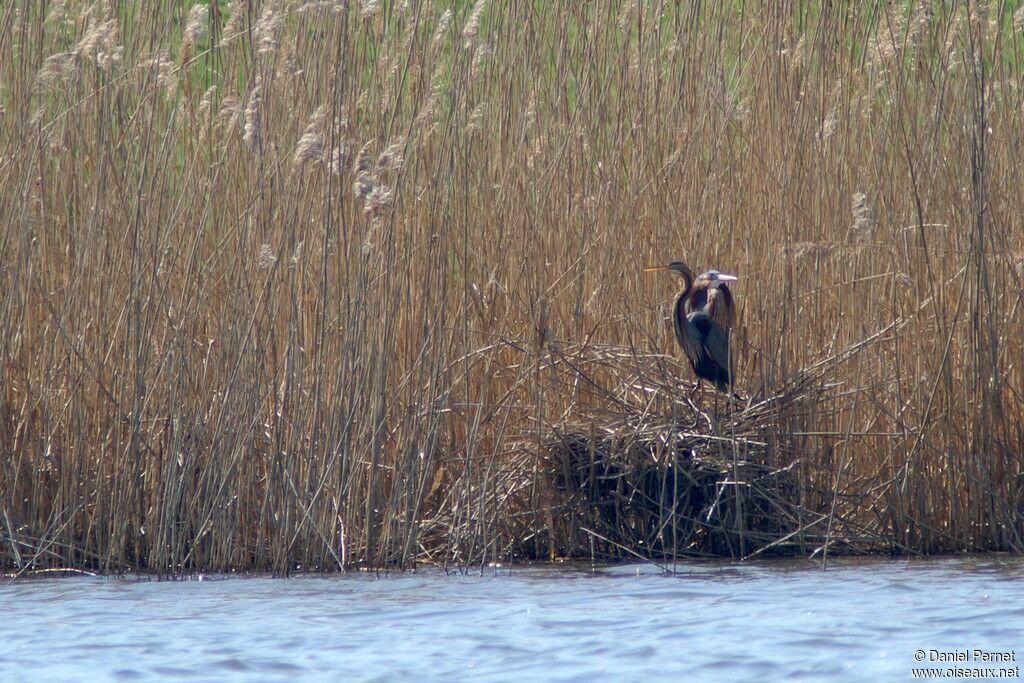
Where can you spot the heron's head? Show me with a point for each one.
(714, 278)
(677, 266)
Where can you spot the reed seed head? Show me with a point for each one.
(251, 132)
(472, 27)
(55, 68)
(863, 225)
(393, 157)
(194, 26)
(233, 28)
(267, 31)
(368, 8)
(267, 258)
(310, 148)
(443, 24)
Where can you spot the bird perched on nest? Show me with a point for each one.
(702, 316)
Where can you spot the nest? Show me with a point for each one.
(641, 463)
(651, 500)
(606, 452)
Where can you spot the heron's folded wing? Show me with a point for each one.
(714, 342)
(686, 332)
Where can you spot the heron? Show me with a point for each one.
(702, 315)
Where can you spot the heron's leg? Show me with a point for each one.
(701, 412)
(714, 415)
(691, 399)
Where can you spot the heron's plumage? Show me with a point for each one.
(712, 360)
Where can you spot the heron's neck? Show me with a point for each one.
(687, 289)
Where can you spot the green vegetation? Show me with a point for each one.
(319, 284)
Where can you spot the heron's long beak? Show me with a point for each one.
(654, 269)
(726, 277)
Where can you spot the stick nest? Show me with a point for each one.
(639, 462)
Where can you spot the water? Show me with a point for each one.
(861, 620)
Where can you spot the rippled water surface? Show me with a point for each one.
(766, 621)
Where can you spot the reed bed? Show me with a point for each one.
(334, 284)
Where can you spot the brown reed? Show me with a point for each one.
(232, 346)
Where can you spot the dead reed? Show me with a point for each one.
(328, 284)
